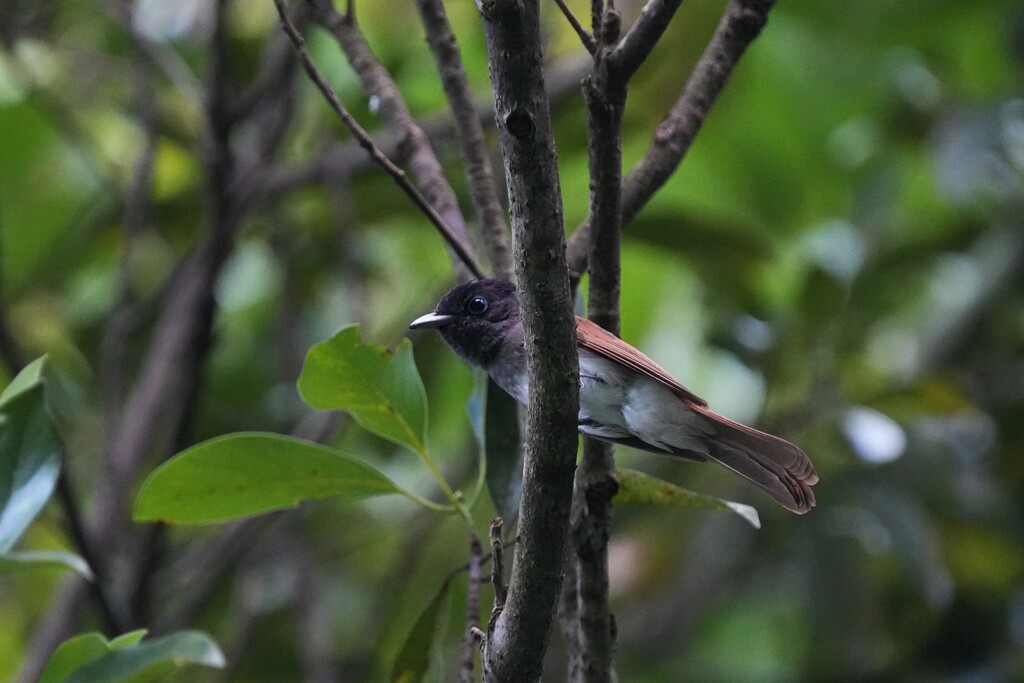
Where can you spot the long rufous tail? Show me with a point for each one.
(774, 464)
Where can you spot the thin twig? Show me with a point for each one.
(483, 189)
(741, 23)
(586, 37)
(347, 158)
(415, 151)
(498, 565)
(397, 174)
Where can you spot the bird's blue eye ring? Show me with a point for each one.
(478, 305)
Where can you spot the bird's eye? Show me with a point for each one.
(478, 305)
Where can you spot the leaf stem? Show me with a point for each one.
(457, 503)
(429, 504)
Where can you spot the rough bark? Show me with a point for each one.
(519, 637)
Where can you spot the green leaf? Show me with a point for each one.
(637, 487)
(82, 649)
(128, 639)
(380, 388)
(149, 659)
(33, 559)
(29, 377)
(501, 447)
(424, 640)
(29, 460)
(72, 654)
(245, 474)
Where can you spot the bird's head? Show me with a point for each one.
(476, 319)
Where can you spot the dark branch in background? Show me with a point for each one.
(76, 531)
(740, 25)
(314, 628)
(516, 644)
(10, 351)
(276, 71)
(159, 404)
(483, 190)
(57, 624)
(158, 54)
(414, 147)
(467, 646)
(136, 215)
(460, 247)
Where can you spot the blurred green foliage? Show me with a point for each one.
(840, 258)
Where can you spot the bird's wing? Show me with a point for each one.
(774, 464)
(596, 339)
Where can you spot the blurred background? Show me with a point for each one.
(839, 259)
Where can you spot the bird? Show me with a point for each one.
(625, 397)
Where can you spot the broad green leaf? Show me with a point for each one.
(128, 639)
(72, 654)
(29, 461)
(379, 387)
(245, 474)
(30, 375)
(424, 639)
(637, 487)
(149, 658)
(33, 559)
(82, 649)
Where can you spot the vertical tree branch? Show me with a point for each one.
(479, 173)
(741, 23)
(518, 640)
(605, 96)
